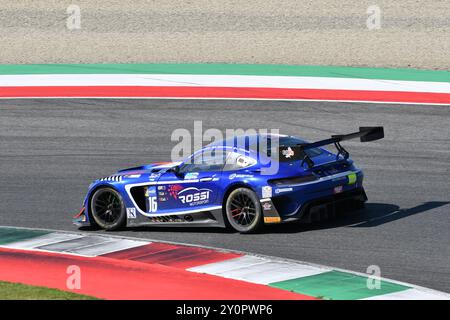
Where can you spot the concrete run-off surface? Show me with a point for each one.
(327, 32)
(155, 270)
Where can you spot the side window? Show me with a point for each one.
(209, 160)
(236, 161)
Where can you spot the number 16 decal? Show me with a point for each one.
(152, 204)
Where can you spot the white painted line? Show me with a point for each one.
(250, 267)
(77, 244)
(73, 244)
(44, 240)
(235, 81)
(228, 265)
(113, 245)
(258, 270)
(232, 99)
(411, 294)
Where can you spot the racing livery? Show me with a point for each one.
(233, 184)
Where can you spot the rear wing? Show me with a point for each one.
(298, 152)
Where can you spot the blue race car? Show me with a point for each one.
(240, 191)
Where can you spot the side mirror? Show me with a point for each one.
(175, 169)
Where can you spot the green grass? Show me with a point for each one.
(17, 291)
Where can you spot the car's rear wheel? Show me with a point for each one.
(108, 209)
(243, 210)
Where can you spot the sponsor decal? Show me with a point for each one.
(150, 191)
(154, 176)
(266, 192)
(287, 153)
(174, 189)
(132, 176)
(267, 206)
(161, 187)
(239, 176)
(338, 189)
(194, 196)
(131, 213)
(161, 193)
(162, 199)
(191, 175)
(243, 161)
(272, 219)
(283, 190)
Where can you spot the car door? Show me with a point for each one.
(194, 187)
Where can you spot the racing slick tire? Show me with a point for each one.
(108, 209)
(243, 210)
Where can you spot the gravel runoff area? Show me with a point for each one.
(326, 32)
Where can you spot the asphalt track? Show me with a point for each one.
(50, 150)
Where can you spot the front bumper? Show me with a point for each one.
(81, 219)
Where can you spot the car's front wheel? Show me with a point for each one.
(108, 209)
(243, 210)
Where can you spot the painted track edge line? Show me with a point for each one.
(287, 260)
(411, 74)
(230, 99)
(224, 92)
(145, 276)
